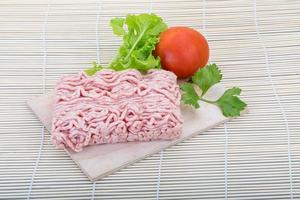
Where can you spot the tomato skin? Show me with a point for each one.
(182, 50)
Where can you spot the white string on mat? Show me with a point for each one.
(98, 62)
(225, 160)
(203, 16)
(93, 190)
(158, 175)
(97, 30)
(151, 6)
(267, 63)
(225, 126)
(43, 88)
(162, 152)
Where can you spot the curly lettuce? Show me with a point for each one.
(140, 35)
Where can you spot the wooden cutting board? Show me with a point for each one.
(101, 160)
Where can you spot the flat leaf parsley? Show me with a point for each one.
(229, 103)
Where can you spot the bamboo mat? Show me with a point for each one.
(257, 46)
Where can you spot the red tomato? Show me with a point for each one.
(182, 50)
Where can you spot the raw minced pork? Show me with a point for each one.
(112, 107)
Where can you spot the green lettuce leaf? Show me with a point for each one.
(139, 41)
(91, 71)
(117, 26)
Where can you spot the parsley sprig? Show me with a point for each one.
(229, 103)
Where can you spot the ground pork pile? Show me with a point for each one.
(112, 107)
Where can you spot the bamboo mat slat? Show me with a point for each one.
(256, 44)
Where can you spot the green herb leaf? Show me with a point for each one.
(230, 104)
(117, 26)
(207, 77)
(189, 95)
(91, 71)
(138, 42)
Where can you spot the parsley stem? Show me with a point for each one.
(208, 101)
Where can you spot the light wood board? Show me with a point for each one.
(101, 160)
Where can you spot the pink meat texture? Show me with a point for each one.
(112, 107)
